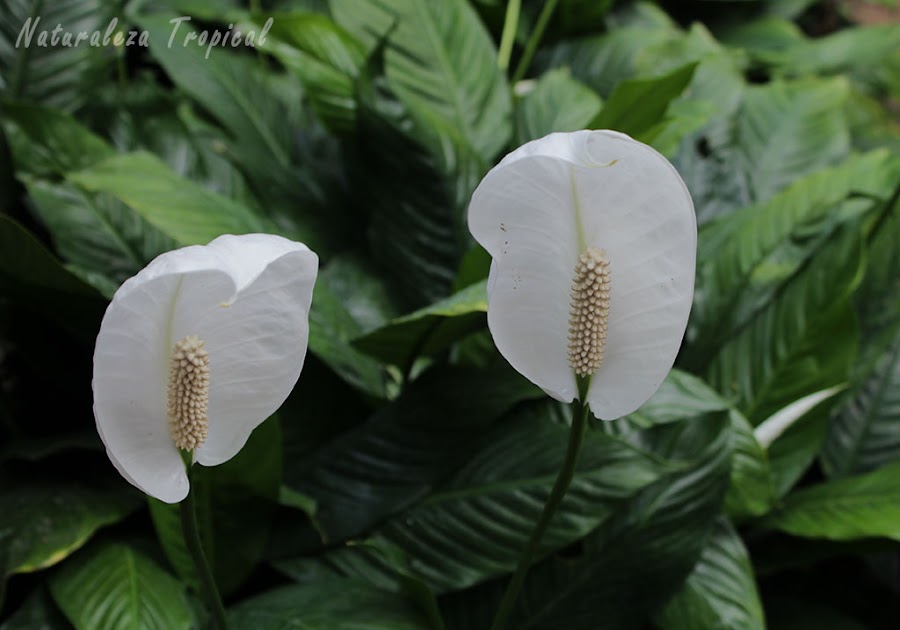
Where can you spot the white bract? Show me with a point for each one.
(593, 238)
(195, 351)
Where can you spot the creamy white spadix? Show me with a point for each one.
(195, 351)
(593, 238)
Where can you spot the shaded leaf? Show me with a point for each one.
(720, 592)
(337, 604)
(429, 330)
(235, 505)
(43, 522)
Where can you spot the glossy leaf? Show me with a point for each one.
(337, 604)
(113, 586)
(413, 445)
(44, 521)
(235, 506)
(856, 507)
(721, 590)
(440, 62)
(429, 330)
(637, 105)
(802, 343)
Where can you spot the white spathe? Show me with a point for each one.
(538, 210)
(247, 297)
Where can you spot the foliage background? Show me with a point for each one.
(399, 482)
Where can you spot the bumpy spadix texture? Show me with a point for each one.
(242, 303)
(188, 393)
(543, 209)
(589, 314)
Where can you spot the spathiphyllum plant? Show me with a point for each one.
(194, 352)
(593, 240)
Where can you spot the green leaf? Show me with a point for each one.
(269, 133)
(31, 275)
(748, 256)
(38, 611)
(784, 130)
(113, 586)
(335, 604)
(680, 396)
(235, 508)
(556, 102)
(604, 61)
(862, 506)
(802, 342)
(752, 490)
(620, 574)
(332, 327)
(453, 538)
(864, 432)
(45, 141)
(441, 63)
(325, 58)
(229, 86)
(96, 232)
(415, 199)
(406, 448)
(865, 51)
(65, 77)
(43, 521)
(721, 590)
(429, 330)
(179, 208)
(637, 105)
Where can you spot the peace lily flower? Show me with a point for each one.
(593, 238)
(195, 351)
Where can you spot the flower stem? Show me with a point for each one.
(534, 39)
(207, 583)
(510, 25)
(563, 479)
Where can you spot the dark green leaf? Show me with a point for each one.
(38, 612)
(720, 592)
(325, 58)
(801, 343)
(752, 491)
(748, 256)
(43, 522)
(429, 330)
(115, 587)
(335, 604)
(406, 448)
(331, 329)
(31, 274)
(441, 63)
(46, 141)
(235, 506)
(864, 433)
(629, 567)
(637, 105)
